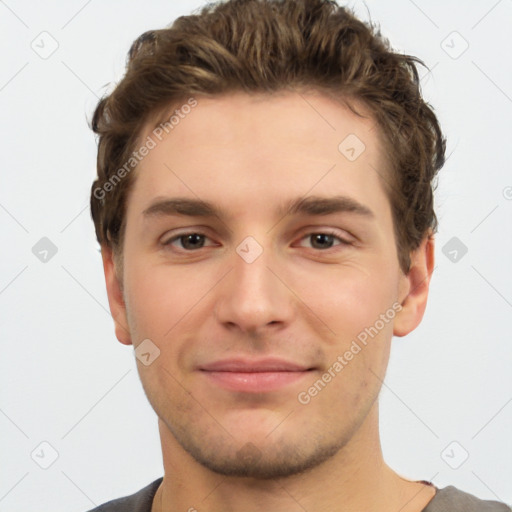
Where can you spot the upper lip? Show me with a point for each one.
(254, 365)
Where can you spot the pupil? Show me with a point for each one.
(192, 240)
(323, 238)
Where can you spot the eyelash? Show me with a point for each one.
(342, 241)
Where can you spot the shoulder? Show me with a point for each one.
(451, 499)
(140, 501)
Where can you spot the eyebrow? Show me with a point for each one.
(312, 205)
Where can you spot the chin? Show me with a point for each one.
(275, 460)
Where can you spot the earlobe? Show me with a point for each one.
(115, 297)
(416, 285)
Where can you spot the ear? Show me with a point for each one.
(115, 297)
(414, 287)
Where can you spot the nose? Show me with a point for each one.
(254, 295)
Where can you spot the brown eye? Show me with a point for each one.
(321, 240)
(188, 241)
(324, 241)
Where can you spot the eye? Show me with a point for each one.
(189, 241)
(324, 240)
(193, 240)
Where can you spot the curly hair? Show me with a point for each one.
(264, 46)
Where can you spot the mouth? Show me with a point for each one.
(254, 376)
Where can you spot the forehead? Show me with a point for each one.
(239, 145)
(248, 118)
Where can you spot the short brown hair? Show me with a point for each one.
(264, 46)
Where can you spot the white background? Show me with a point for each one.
(67, 381)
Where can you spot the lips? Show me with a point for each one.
(254, 376)
(253, 366)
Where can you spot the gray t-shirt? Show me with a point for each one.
(448, 499)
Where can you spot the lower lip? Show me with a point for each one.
(255, 382)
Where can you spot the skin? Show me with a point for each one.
(299, 300)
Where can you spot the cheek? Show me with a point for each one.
(346, 298)
(159, 296)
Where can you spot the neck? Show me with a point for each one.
(354, 479)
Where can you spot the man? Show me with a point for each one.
(264, 204)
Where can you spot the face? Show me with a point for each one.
(273, 305)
